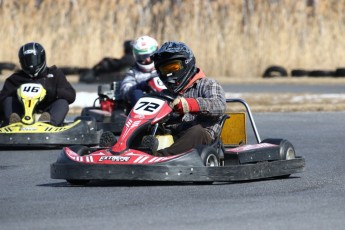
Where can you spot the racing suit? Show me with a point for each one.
(59, 94)
(135, 84)
(202, 127)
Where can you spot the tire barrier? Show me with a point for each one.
(279, 71)
(7, 66)
(321, 73)
(299, 73)
(275, 71)
(339, 72)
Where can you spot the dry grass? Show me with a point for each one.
(236, 39)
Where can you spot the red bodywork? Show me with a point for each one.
(147, 111)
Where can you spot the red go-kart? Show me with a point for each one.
(131, 158)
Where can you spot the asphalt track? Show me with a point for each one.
(314, 199)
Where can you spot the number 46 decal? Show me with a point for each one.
(33, 89)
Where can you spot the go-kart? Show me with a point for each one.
(133, 158)
(112, 111)
(29, 131)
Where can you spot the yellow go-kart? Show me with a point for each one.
(31, 132)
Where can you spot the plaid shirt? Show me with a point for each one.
(211, 99)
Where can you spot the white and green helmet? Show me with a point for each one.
(143, 48)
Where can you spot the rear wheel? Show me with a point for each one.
(210, 158)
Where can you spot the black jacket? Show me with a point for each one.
(53, 80)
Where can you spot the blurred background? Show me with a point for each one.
(232, 39)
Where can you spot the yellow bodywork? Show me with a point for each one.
(234, 130)
(30, 94)
(38, 127)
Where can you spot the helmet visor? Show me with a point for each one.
(171, 67)
(31, 62)
(143, 58)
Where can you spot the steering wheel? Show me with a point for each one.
(165, 94)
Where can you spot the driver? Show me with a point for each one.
(136, 79)
(200, 101)
(59, 92)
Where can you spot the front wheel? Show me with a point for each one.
(107, 139)
(287, 151)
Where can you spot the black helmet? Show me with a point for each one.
(175, 64)
(32, 57)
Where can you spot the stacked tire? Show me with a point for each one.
(279, 71)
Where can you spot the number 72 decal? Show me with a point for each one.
(148, 106)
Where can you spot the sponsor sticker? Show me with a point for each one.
(114, 158)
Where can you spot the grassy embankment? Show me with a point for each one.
(232, 39)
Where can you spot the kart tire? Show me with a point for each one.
(107, 139)
(81, 150)
(84, 150)
(150, 142)
(287, 151)
(210, 158)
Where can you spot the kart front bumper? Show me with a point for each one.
(229, 173)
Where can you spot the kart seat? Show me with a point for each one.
(217, 143)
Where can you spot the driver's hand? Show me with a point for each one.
(185, 105)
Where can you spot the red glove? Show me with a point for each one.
(185, 105)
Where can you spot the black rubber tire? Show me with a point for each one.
(150, 142)
(275, 71)
(287, 151)
(107, 139)
(339, 72)
(299, 73)
(210, 158)
(83, 151)
(321, 73)
(7, 66)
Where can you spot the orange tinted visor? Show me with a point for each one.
(171, 67)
